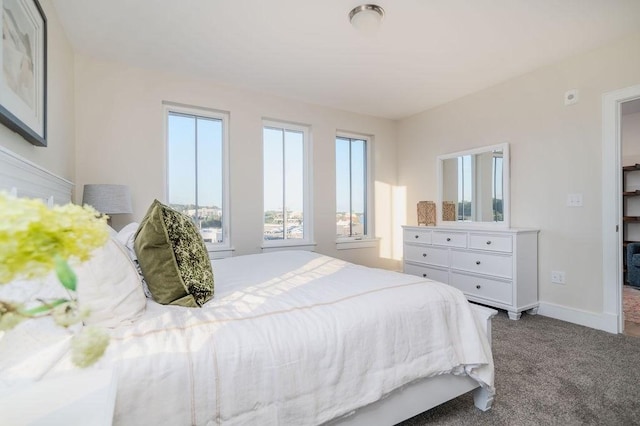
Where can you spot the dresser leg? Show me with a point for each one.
(514, 315)
(533, 311)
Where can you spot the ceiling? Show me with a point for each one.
(426, 53)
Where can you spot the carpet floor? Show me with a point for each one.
(550, 372)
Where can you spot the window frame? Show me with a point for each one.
(368, 239)
(225, 248)
(308, 242)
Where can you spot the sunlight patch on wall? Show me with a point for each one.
(391, 214)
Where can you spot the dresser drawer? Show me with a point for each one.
(428, 255)
(499, 265)
(449, 239)
(484, 288)
(435, 274)
(491, 242)
(422, 236)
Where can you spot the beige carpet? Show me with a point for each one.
(549, 372)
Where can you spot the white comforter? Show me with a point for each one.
(292, 338)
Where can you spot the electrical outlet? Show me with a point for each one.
(574, 200)
(557, 277)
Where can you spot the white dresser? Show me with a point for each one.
(495, 267)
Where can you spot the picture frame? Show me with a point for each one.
(23, 69)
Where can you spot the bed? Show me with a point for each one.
(298, 338)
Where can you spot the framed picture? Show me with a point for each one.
(23, 69)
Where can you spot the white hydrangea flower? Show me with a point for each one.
(88, 346)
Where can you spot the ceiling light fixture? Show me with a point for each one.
(366, 17)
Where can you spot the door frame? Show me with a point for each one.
(612, 272)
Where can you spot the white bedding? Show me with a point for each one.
(292, 338)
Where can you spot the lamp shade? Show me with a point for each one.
(107, 198)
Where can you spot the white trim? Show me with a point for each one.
(24, 178)
(307, 187)
(223, 116)
(354, 243)
(288, 245)
(216, 252)
(611, 202)
(604, 321)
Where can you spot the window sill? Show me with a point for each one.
(288, 245)
(217, 252)
(348, 244)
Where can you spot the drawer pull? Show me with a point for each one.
(448, 239)
(424, 275)
(478, 286)
(477, 262)
(417, 236)
(424, 254)
(489, 242)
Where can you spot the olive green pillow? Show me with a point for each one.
(173, 258)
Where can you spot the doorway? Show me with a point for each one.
(630, 154)
(612, 203)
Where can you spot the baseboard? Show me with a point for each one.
(604, 321)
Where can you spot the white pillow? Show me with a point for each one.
(109, 285)
(127, 237)
(31, 292)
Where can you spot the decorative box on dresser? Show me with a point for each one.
(495, 267)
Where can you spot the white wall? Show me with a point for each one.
(555, 151)
(59, 155)
(120, 138)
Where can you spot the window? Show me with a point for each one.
(352, 187)
(197, 167)
(287, 215)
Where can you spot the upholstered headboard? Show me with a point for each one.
(23, 178)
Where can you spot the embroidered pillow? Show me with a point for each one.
(173, 258)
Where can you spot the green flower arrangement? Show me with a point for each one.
(36, 239)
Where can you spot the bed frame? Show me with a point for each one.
(23, 178)
(26, 179)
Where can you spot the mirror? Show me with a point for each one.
(473, 187)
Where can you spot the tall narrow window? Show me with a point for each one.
(197, 183)
(286, 184)
(352, 212)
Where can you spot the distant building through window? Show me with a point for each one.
(197, 146)
(286, 183)
(352, 215)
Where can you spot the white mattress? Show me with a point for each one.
(292, 338)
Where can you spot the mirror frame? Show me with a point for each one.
(506, 201)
